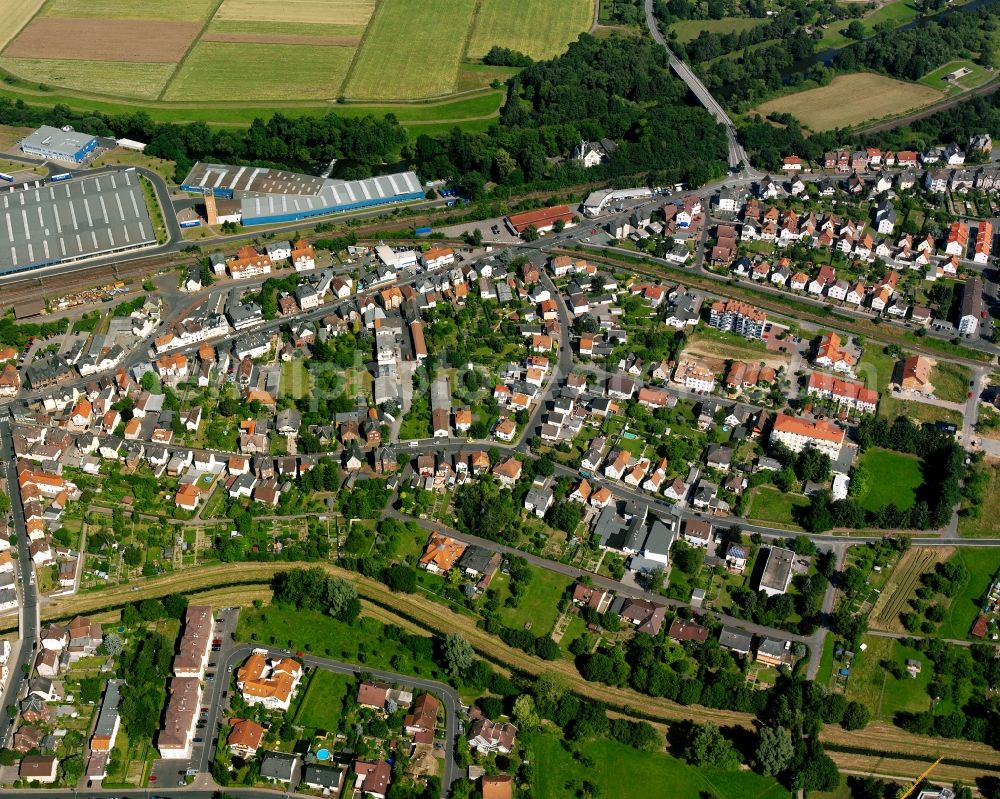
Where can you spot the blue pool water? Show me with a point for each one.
(323, 754)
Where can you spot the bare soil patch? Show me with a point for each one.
(128, 40)
(263, 38)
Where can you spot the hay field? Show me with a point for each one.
(143, 41)
(256, 28)
(298, 12)
(226, 71)
(852, 99)
(14, 15)
(171, 10)
(392, 65)
(539, 28)
(122, 79)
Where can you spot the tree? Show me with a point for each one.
(566, 516)
(706, 745)
(530, 234)
(458, 653)
(113, 644)
(401, 578)
(856, 717)
(341, 599)
(525, 712)
(856, 30)
(774, 750)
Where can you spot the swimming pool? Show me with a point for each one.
(323, 754)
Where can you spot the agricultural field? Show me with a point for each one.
(835, 105)
(895, 478)
(538, 28)
(14, 15)
(903, 583)
(213, 68)
(386, 69)
(190, 54)
(122, 79)
(689, 29)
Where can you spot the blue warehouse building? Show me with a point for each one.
(272, 196)
(70, 146)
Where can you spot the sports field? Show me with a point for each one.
(287, 55)
(851, 99)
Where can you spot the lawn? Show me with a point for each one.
(472, 113)
(875, 367)
(215, 70)
(897, 12)
(977, 76)
(619, 770)
(895, 478)
(982, 564)
(295, 379)
(538, 28)
(120, 78)
(417, 421)
(834, 105)
(689, 29)
(312, 631)
(539, 605)
(987, 524)
(770, 506)
(878, 690)
(322, 706)
(891, 407)
(951, 381)
(434, 33)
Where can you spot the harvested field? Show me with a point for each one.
(835, 105)
(121, 78)
(538, 28)
(902, 584)
(215, 70)
(194, 10)
(265, 38)
(11, 135)
(144, 41)
(384, 70)
(343, 12)
(14, 15)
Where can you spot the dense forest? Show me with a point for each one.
(617, 88)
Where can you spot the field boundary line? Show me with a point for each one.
(352, 69)
(464, 55)
(187, 53)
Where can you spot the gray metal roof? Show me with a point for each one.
(57, 140)
(108, 716)
(79, 218)
(333, 194)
